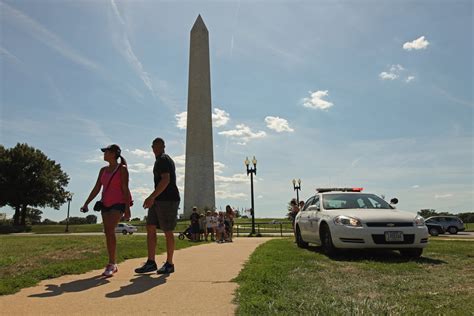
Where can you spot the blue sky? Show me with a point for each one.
(373, 94)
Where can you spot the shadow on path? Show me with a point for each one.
(74, 286)
(140, 284)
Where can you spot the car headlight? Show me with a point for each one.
(347, 221)
(419, 221)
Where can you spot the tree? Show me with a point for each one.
(91, 219)
(425, 213)
(33, 216)
(29, 178)
(47, 221)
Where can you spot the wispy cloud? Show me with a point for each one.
(315, 101)
(242, 133)
(278, 124)
(41, 33)
(419, 43)
(130, 55)
(395, 72)
(443, 196)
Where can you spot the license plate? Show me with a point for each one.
(393, 236)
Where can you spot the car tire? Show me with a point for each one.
(124, 232)
(299, 240)
(452, 230)
(412, 253)
(434, 231)
(326, 241)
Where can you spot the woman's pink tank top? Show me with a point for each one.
(113, 191)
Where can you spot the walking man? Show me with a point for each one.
(162, 207)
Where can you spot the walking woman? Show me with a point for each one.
(116, 200)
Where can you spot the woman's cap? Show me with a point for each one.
(114, 148)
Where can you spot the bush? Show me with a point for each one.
(4, 229)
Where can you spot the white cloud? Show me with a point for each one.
(316, 100)
(180, 160)
(243, 133)
(236, 178)
(218, 167)
(443, 196)
(140, 168)
(228, 195)
(141, 153)
(219, 118)
(278, 124)
(393, 73)
(416, 186)
(181, 120)
(419, 43)
(409, 78)
(387, 76)
(140, 193)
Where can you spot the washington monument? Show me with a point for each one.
(199, 170)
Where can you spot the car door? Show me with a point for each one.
(303, 220)
(314, 219)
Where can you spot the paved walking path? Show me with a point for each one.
(201, 285)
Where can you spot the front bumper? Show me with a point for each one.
(374, 237)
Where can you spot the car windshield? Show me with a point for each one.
(353, 200)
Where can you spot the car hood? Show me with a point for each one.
(379, 215)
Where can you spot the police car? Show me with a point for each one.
(342, 218)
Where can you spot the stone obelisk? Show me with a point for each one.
(199, 173)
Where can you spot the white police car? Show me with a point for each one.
(125, 228)
(341, 218)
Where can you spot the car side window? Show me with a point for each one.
(308, 203)
(317, 203)
(361, 203)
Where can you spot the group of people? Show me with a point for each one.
(162, 205)
(295, 207)
(217, 225)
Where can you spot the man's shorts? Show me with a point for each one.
(163, 214)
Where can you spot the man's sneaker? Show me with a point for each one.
(149, 266)
(110, 269)
(166, 268)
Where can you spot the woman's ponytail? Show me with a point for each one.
(122, 161)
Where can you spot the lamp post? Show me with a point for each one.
(251, 171)
(297, 188)
(69, 199)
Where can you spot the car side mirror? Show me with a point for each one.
(394, 201)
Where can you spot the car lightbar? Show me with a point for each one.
(322, 190)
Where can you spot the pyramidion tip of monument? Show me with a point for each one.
(199, 24)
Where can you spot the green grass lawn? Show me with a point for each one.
(281, 278)
(469, 227)
(25, 260)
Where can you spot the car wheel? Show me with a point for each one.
(452, 230)
(326, 241)
(124, 232)
(412, 252)
(434, 231)
(299, 240)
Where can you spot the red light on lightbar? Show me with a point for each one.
(357, 189)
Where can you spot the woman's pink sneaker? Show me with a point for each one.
(110, 269)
